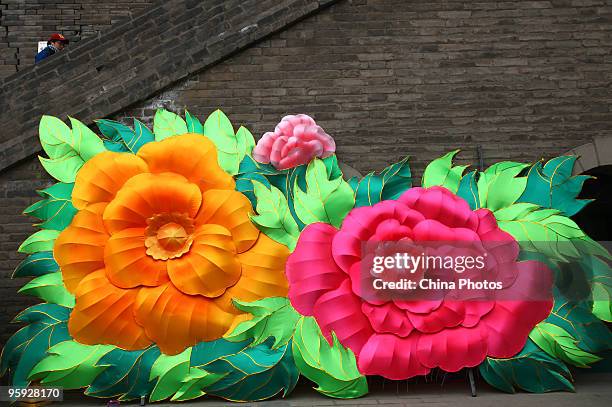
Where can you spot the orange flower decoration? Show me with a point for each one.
(160, 246)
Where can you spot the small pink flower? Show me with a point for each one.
(296, 140)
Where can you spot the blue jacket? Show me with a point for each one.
(47, 52)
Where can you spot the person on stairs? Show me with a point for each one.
(56, 43)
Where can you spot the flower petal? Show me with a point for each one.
(175, 321)
(387, 318)
(263, 274)
(261, 152)
(518, 309)
(475, 310)
(448, 315)
(453, 349)
(390, 356)
(79, 249)
(191, 155)
(438, 203)
(103, 314)
(339, 311)
(311, 269)
(145, 195)
(361, 224)
(419, 306)
(127, 263)
(210, 266)
(296, 140)
(101, 177)
(431, 230)
(230, 209)
(489, 230)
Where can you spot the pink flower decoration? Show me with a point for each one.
(400, 339)
(296, 140)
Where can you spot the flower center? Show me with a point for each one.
(168, 235)
(172, 236)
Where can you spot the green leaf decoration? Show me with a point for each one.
(396, 179)
(249, 372)
(286, 181)
(193, 383)
(166, 124)
(122, 138)
(244, 184)
(116, 132)
(602, 304)
(115, 146)
(49, 287)
(324, 200)
(552, 186)
(333, 169)
(249, 165)
(441, 172)
(272, 317)
(255, 373)
(576, 318)
(218, 128)
(204, 353)
(28, 346)
(70, 365)
(111, 138)
(67, 149)
(558, 343)
(531, 370)
(175, 378)
(588, 246)
(55, 210)
(126, 374)
(245, 142)
(36, 264)
(333, 368)
(389, 184)
(83, 141)
(249, 171)
(169, 370)
(499, 186)
(62, 170)
(368, 190)
(601, 287)
(273, 216)
(283, 180)
(112, 130)
(42, 240)
(545, 231)
(468, 190)
(142, 136)
(193, 124)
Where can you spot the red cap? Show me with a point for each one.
(58, 37)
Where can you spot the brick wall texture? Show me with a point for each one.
(387, 78)
(25, 22)
(518, 80)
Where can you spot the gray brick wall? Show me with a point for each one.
(18, 186)
(387, 78)
(25, 22)
(522, 79)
